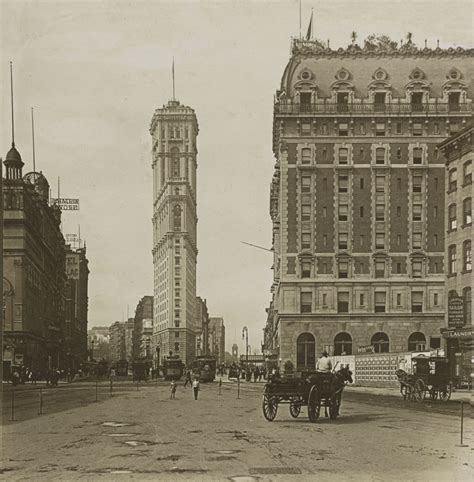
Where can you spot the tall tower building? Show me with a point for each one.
(174, 130)
(357, 197)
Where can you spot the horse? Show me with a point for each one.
(338, 382)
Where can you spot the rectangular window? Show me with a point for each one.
(379, 101)
(343, 183)
(399, 127)
(417, 155)
(343, 155)
(452, 259)
(306, 269)
(417, 182)
(306, 241)
(325, 299)
(325, 129)
(399, 299)
(467, 173)
(343, 302)
(177, 272)
(380, 129)
(361, 299)
(361, 211)
(435, 299)
(361, 240)
(343, 269)
(417, 301)
(343, 212)
(416, 241)
(467, 212)
(306, 155)
(399, 268)
(305, 128)
(380, 212)
(416, 268)
(325, 183)
(380, 269)
(435, 268)
(306, 302)
(417, 210)
(466, 257)
(305, 212)
(380, 183)
(176, 323)
(343, 130)
(399, 183)
(325, 239)
(176, 313)
(452, 221)
(435, 211)
(467, 298)
(325, 211)
(343, 239)
(452, 183)
(399, 211)
(380, 155)
(435, 239)
(361, 183)
(176, 334)
(325, 268)
(305, 183)
(399, 240)
(417, 128)
(380, 297)
(177, 260)
(379, 240)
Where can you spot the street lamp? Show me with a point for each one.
(245, 335)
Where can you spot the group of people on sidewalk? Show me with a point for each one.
(192, 381)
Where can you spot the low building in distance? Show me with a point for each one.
(143, 329)
(99, 343)
(117, 342)
(202, 327)
(217, 338)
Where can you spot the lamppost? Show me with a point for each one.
(245, 335)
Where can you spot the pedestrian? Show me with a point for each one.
(324, 364)
(188, 378)
(196, 388)
(173, 390)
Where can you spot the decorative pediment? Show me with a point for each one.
(380, 80)
(343, 74)
(417, 256)
(380, 74)
(342, 85)
(418, 85)
(417, 74)
(305, 85)
(380, 255)
(454, 85)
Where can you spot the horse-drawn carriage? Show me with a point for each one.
(431, 376)
(314, 390)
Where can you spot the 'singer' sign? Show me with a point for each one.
(66, 204)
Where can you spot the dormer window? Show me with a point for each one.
(417, 101)
(305, 101)
(379, 101)
(453, 101)
(342, 101)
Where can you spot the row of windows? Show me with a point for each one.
(466, 176)
(466, 214)
(466, 258)
(380, 183)
(306, 346)
(380, 301)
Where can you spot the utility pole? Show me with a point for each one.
(245, 335)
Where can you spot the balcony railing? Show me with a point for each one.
(371, 108)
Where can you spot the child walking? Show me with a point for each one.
(173, 390)
(196, 388)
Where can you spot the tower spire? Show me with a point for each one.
(33, 139)
(11, 98)
(174, 96)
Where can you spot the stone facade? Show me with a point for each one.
(459, 279)
(143, 329)
(217, 339)
(174, 130)
(357, 197)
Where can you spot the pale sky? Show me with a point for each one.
(95, 71)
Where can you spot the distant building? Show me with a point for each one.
(357, 197)
(174, 130)
(128, 339)
(75, 333)
(117, 342)
(99, 343)
(217, 338)
(202, 327)
(143, 329)
(458, 331)
(235, 353)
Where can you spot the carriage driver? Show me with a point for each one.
(324, 364)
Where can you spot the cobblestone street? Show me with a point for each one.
(142, 435)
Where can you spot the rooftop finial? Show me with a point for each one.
(174, 97)
(426, 43)
(13, 116)
(437, 43)
(33, 138)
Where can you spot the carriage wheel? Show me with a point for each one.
(445, 393)
(314, 405)
(270, 407)
(405, 392)
(334, 408)
(419, 390)
(295, 409)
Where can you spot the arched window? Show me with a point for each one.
(177, 218)
(305, 352)
(343, 344)
(416, 342)
(380, 342)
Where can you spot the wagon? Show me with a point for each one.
(431, 377)
(314, 391)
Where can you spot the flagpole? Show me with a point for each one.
(174, 97)
(300, 19)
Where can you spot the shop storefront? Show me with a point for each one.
(459, 347)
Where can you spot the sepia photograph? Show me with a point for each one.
(236, 240)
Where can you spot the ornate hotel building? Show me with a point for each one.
(174, 130)
(357, 197)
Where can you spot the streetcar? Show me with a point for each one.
(172, 367)
(204, 367)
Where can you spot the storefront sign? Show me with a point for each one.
(455, 312)
(466, 332)
(72, 266)
(366, 349)
(66, 204)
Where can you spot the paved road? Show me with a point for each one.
(145, 436)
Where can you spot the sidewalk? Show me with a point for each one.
(460, 395)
